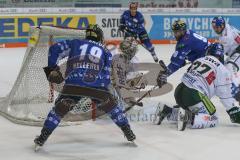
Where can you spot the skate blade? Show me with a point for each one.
(132, 144)
(37, 147)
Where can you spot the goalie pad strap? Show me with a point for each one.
(108, 102)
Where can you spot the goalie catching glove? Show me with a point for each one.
(53, 74)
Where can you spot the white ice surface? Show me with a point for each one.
(102, 140)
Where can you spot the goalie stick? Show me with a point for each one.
(130, 88)
(138, 102)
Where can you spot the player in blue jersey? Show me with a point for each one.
(87, 75)
(133, 24)
(190, 46)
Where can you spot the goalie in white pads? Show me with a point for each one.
(229, 36)
(205, 78)
(87, 75)
(122, 65)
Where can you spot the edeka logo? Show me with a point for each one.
(18, 27)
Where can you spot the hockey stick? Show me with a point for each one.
(138, 102)
(162, 64)
(130, 88)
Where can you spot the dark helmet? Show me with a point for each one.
(216, 50)
(95, 33)
(179, 25)
(218, 24)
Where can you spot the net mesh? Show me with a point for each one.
(31, 97)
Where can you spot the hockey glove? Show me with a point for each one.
(234, 114)
(162, 75)
(122, 27)
(162, 78)
(53, 74)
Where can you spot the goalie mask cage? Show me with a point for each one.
(31, 96)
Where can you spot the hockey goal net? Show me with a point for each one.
(32, 96)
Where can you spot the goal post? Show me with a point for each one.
(31, 96)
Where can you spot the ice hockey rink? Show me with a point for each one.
(102, 140)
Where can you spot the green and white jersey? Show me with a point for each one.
(210, 77)
(230, 39)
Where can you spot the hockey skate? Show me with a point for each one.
(184, 117)
(162, 111)
(128, 133)
(40, 140)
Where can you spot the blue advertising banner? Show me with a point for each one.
(161, 28)
(16, 28)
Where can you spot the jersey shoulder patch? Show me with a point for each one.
(180, 45)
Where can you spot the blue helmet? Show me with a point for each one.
(216, 50)
(218, 21)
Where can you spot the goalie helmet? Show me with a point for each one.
(216, 50)
(95, 33)
(128, 47)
